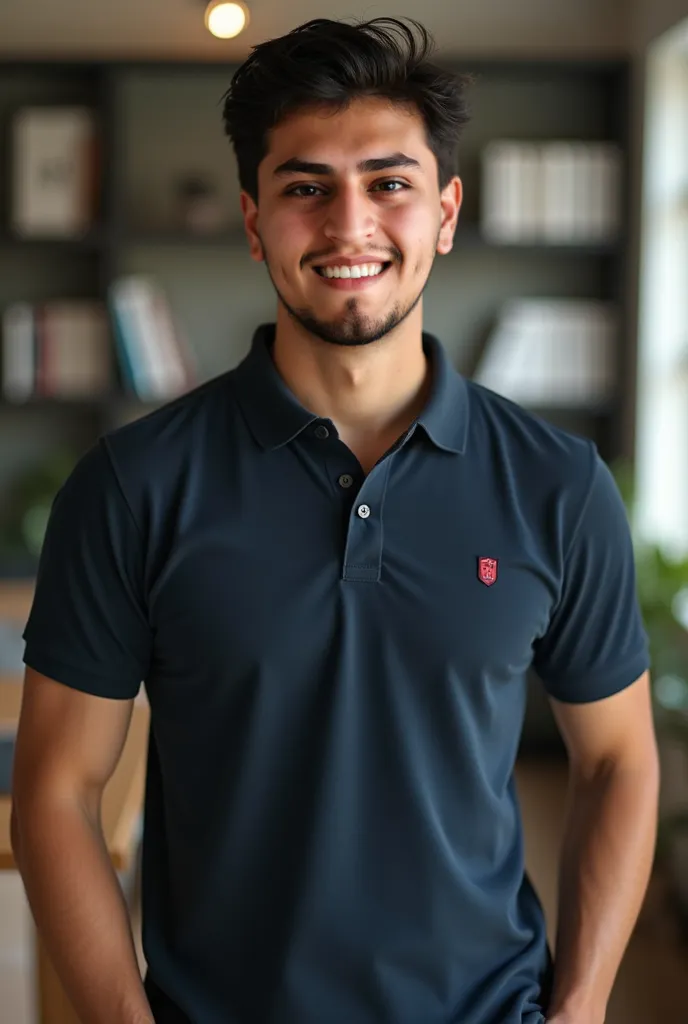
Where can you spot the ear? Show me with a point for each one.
(450, 204)
(249, 211)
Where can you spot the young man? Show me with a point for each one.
(332, 568)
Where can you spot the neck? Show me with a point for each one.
(369, 392)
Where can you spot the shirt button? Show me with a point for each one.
(345, 480)
(322, 433)
(363, 511)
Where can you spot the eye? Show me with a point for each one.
(382, 185)
(388, 187)
(298, 190)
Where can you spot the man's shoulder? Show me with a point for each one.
(533, 445)
(169, 433)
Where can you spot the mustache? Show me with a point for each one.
(392, 254)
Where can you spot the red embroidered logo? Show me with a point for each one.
(487, 571)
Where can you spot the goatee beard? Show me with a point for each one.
(353, 329)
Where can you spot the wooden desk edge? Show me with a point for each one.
(16, 597)
(15, 604)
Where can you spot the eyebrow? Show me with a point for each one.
(383, 163)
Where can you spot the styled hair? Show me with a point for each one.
(331, 63)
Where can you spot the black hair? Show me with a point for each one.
(325, 62)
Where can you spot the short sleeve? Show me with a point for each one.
(88, 626)
(595, 644)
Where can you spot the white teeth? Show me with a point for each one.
(360, 270)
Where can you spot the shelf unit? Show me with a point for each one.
(160, 120)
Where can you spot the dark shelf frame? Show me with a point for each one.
(39, 403)
(95, 239)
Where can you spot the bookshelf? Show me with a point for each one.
(161, 120)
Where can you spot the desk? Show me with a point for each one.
(122, 803)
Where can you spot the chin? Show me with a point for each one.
(351, 324)
(347, 333)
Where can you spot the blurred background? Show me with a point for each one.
(125, 280)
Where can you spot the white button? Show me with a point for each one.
(345, 480)
(363, 511)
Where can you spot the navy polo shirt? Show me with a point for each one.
(336, 671)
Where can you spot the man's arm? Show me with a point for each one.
(608, 845)
(68, 745)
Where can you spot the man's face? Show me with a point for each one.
(350, 217)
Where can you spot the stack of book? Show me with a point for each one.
(64, 348)
(55, 154)
(156, 362)
(58, 349)
(550, 353)
(556, 192)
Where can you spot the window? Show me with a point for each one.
(662, 436)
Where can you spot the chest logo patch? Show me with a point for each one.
(487, 571)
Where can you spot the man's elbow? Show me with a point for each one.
(637, 763)
(643, 766)
(646, 757)
(654, 768)
(654, 777)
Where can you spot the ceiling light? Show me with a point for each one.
(226, 19)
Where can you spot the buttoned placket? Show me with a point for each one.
(362, 557)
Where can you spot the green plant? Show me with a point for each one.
(662, 586)
(30, 501)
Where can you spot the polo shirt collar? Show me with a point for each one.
(445, 416)
(275, 416)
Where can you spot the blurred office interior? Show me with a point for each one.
(127, 281)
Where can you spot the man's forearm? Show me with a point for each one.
(80, 912)
(605, 867)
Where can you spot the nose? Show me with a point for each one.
(350, 217)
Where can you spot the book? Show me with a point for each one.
(74, 346)
(54, 171)
(18, 352)
(559, 192)
(58, 349)
(506, 215)
(122, 316)
(552, 352)
(156, 362)
(559, 206)
(530, 192)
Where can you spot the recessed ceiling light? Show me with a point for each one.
(226, 18)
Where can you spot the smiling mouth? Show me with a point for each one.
(359, 272)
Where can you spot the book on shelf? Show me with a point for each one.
(554, 192)
(55, 171)
(156, 362)
(18, 352)
(58, 349)
(551, 353)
